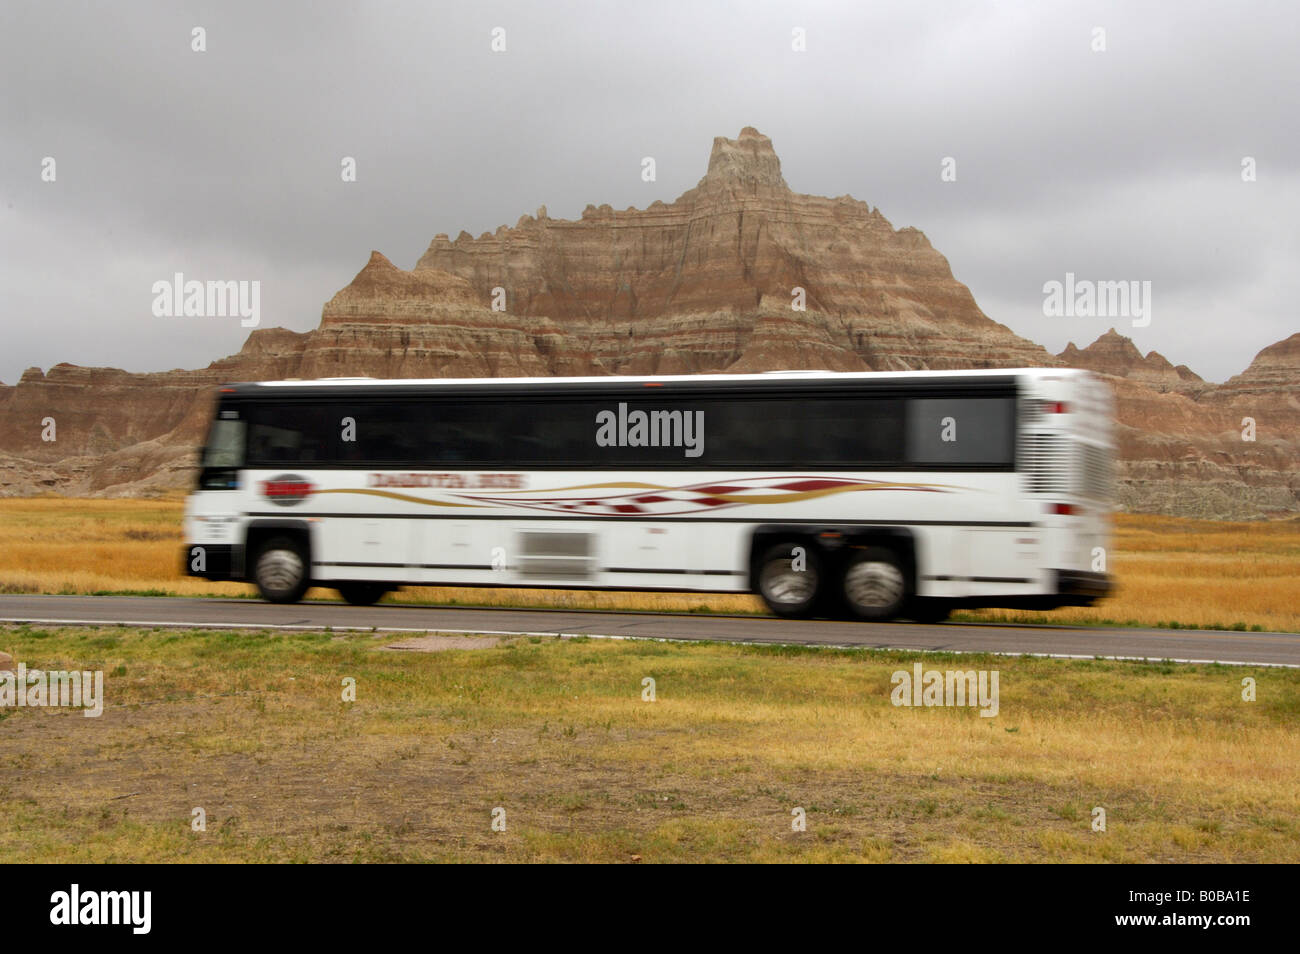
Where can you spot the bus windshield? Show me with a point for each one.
(225, 447)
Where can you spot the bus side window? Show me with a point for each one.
(963, 431)
(286, 435)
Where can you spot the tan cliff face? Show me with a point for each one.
(710, 279)
(1182, 441)
(705, 283)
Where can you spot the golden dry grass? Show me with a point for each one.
(1193, 573)
(1201, 573)
(251, 728)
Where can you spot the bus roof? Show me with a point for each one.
(624, 380)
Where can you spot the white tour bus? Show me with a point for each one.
(868, 495)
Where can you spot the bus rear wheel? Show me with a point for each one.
(280, 571)
(362, 594)
(790, 580)
(874, 584)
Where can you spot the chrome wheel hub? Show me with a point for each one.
(784, 585)
(279, 570)
(874, 585)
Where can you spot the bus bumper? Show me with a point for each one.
(1082, 588)
(219, 561)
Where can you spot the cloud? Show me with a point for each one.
(225, 164)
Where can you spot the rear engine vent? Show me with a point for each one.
(1045, 462)
(1096, 472)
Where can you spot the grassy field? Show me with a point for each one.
(251, 727)
(1188, 573)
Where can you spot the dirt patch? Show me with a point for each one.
(438, 644)
(339, 793)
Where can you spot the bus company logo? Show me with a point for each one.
(456, 481)
(626, 428)
(287, 489)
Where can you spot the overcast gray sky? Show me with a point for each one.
(1117, 165)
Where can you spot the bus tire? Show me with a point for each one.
(362, 594)
(790, 582)
(874, 584)
(280, 571)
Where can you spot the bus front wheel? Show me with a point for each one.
(281, 571)
(875, 587)
(362, 594)
(790, 580)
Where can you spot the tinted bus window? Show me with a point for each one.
(286, 434)
(383, 433)
(463, 434)
(640, 431)
(964, 432)
(805, 432)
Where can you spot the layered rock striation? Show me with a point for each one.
(706, 283)
(1188, 447)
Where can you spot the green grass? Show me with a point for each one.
(251, 727)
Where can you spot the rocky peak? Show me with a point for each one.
(739, 238)
(744, 162)
(705, 283)
(381, 278)
(1110, 352)
(1116, 355)
(1275, 369)
(272, 342)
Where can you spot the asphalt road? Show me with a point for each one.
(1271, 649)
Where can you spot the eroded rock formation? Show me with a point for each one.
(703, 284)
